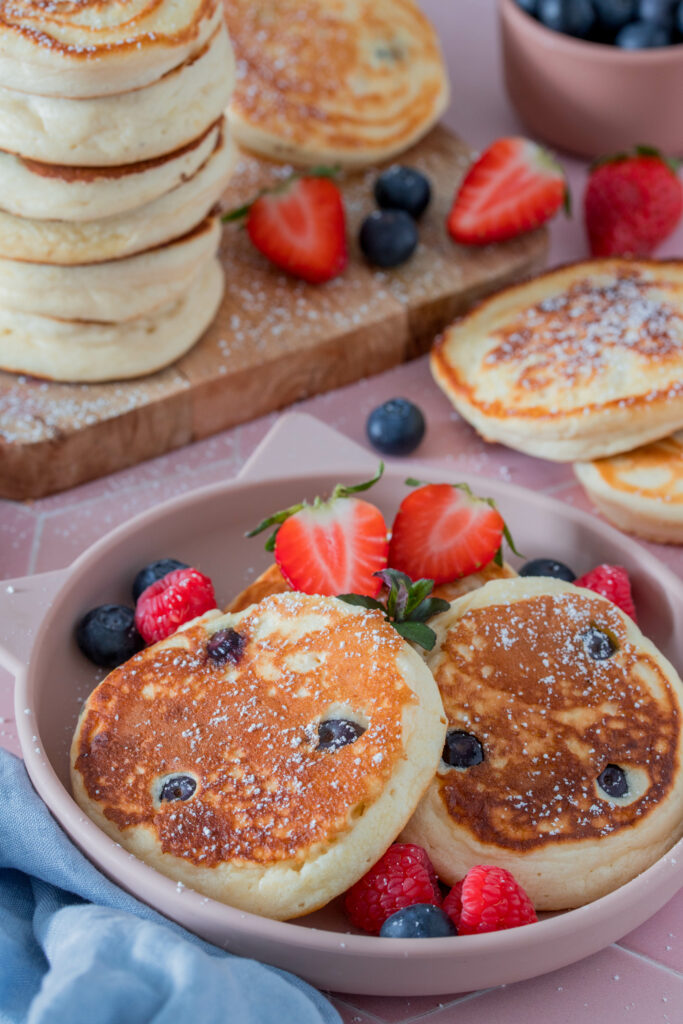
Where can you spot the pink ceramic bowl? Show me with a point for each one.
(206, 528)
(591, 98)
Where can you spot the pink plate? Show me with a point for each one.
(206, 528)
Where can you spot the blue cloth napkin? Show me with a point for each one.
(75, 949)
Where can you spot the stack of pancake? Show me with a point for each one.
(113, 154)
(583, 363)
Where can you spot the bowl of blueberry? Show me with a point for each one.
(595, 76)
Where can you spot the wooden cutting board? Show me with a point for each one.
(275, 339)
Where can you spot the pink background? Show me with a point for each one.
(639, 979)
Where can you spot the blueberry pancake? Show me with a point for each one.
(271, 581)
(266, 759)
(563, 754)
(640, 491)
(579, 363)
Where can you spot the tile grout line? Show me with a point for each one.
(37, 537)
(468, 998)
(650, 961)
(355, 1009)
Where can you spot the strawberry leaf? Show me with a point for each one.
(343, 491)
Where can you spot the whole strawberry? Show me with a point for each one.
(401, 878)
(488, 899)
(633, 201)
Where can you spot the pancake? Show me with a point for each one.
(170, 216)
(274, 826)
(112, 292)
(514, 670)
(111, 130)
(93, 47)
(271, 581)
(79, 350)
(577, 364)
(345, 81)
(56, 192)
(642, 491)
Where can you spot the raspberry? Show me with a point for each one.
(402, 877)
(613, 583)
(488, 899)
(171, 601)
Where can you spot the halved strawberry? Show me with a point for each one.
(300, 226)
(513, 187)
(331, 547)
(443, 532)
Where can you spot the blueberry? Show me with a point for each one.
(615, 14)
(679, 18)
(107, 635)
(571, 17)
(598, 645)
(642, 35)
(528, 5)
(659, 12)
(396, 427)
(226, 645)
(462, 749)
(419, 921)
(153, 572)
(337, 732)
(178, 787)
(612, 780)
(388, 237)
(548, 567)
(403, 188)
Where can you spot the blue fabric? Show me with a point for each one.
(75, 949)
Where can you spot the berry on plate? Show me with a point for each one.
(403, 188)
(514, 186)
(153, 572)
(488, 899)
(330, 547)
(177, 598)
(402, 877)
(571, 17)
(613, 583)
(396, 427)
(300, 226)
(388, 238)
(614, 14)
(420, 921)
(107, 635)
(444, 531)
(632, 203)
(548, 567)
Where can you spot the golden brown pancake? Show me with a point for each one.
(580, 363)
(345, 81)
(641, 491)
(553, 686)
(205, 754)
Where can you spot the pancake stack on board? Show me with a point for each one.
(113, 154)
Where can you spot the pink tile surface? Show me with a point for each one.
(641, 980)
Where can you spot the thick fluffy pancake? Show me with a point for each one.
(349, 81)
(275, 825)
(112, 292)
(42, 191)
(95, 47)
(78, 350)
(513, 667)
(170, 216)
(107, 131)
(641, 491)
(271, 581)
(582, 362)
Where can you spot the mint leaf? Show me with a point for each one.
(416, 633)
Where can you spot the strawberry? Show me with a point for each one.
(300, 226)
(488, 899)
(443, 532)
(401, 878)
(513, 187)
(632, 202)
(613, 583)
(330, 547)
(171, 601)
